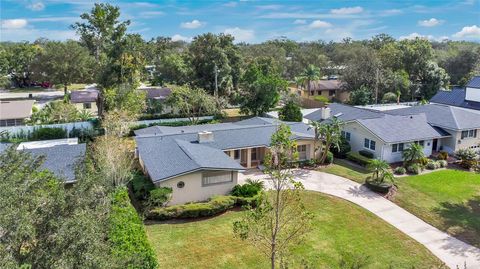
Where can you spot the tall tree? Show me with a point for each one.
(192, 102)
(18, 62)
(280, 219)
(291, 111)
(101, 28)
(311, 73)
(328, 134)
(64, 63)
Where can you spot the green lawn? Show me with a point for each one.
(339, 227)
(344, 169)
(447, 199)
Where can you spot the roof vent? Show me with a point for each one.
(205, 137)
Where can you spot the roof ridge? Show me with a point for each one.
(454, 117)
(185, 150)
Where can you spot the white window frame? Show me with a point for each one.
(215, 178)
(370, 143)
(302, 152)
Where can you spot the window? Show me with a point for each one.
(421, 143)
(87, 105)
(302, 152)
(369, 144)
(253, 154)
(397, 147)
(469, 133)
(236, 154)
(346, 135)
(216, 177)
(180, 184)
(331, 93)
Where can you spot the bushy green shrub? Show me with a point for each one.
(423, 161)
(366, 153)
(245, 190)
(159, 196)
(127, 236)
(414, 169)
(329, 158)
(468, 158)
(342, 150)
(443, 155)
(400, 170)
(321, 99)
(357, 158)
(48, 133)
(432, 165)
(141, 186)
(442, 163)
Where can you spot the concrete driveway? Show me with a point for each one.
(450, 250)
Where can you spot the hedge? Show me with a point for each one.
(214, 206)
(48, 133)
(357, 158)
(366, 153)
(127, 235)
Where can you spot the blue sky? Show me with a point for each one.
(253, 21)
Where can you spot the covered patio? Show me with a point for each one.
(248, 157)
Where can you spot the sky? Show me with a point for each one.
(253, 21)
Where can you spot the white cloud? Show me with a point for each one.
(14, 24)
(300, 22)
(241, 35)
(178, 37)
(192, 24)
(391, 12)
(347, 10)
(430, 23)
(36, 6)
(319, 24)
(416, 35)
(230, 4)
(468, 32)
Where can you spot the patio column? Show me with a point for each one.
(249, 157)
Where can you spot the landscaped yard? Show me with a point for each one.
(345, 169)
(338, 227)
(447, 199)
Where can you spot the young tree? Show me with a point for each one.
(378, 168)
(291, 111)
(280, 220)
(126, 98)
(192, 102)
(329, 134)
(64, 63)
(261, 90)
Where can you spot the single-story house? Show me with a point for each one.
(200, 161)
(14, 113)
(85, 100)
(330, 88)
(468, 97)
(387, 133)
(61, 155)
(159, 95)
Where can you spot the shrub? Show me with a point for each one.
(423, 161)
(389, 97)
(159, 196)
(48, 133)
(366, 153)
(357, 158)
(432, 165)
(291, 111)
(443, 155)
(467, 157)
(321, 99)
(141, 186)
(126, 235)
(400, 170)
(329, 158)
(442, 163)
(414, 169)
(245, 190)
(342, 150)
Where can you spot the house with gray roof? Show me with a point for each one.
(200, 161)
(468, 97)
(15, 112)
(85, 100)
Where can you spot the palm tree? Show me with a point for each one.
(84, 115)
(378, 168)
(311, 73)
(328, 134)
(413, 153)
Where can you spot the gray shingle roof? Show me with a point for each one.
(19, 109)
(84, 96)
(474, 82)
(346, 113)
(62, 159)
(444, 116)
(391, 129)
(455, 97)
(175, 150)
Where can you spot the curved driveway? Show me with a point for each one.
(450, 250)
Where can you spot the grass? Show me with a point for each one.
(344, 169)
(447, 199)
(233, 112)
(338, 227)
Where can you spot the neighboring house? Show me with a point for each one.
(85, 100)
(158, 95)
(61, 155)
(333, 89)
(387, 133)
(200, 161)
(14, 113)
(460, 97)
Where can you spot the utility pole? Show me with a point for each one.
(376, 85)
(216, 81)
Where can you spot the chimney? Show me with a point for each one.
(324, 113)
(205, 137)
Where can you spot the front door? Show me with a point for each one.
(434, 145)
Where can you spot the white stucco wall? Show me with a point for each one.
(194, 190)
(392, 157)
(358, 134)
(455, 142)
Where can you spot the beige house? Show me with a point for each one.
(85, 100)
(14, 113)
(200, 161)
(332, 89)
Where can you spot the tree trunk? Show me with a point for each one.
(65, 89)
(272, 258)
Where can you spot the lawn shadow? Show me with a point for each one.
(462, 219)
